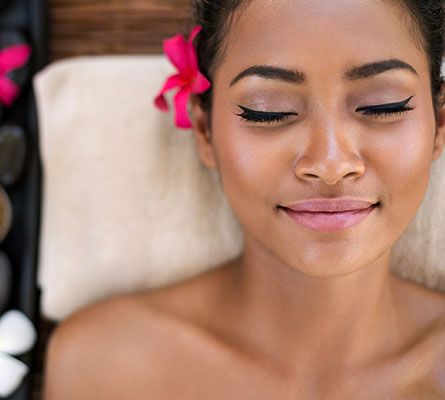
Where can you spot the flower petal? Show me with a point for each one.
(14, 57)
(9, 91)
(12, 372)
(177, 50)
(193, 58)
(17, 333)
(172, 82)
(182, 119)
(194, 33)
(201, 83)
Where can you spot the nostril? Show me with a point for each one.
(350, 173)
(311, 175)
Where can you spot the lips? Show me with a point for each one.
(330, 214)
(329, 221)
(331, 205)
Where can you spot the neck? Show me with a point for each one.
(303, 320)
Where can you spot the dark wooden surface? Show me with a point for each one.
(87, 27)
(80, 27)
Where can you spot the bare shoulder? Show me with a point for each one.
(101, 349)
(424, 362)
(425, 305)
(130, 343)
(435, 344)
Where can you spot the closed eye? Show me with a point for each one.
(379, 110)
(263, 116)
(386, 109)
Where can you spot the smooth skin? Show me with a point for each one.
(300, 314)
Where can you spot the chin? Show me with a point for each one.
(331, 264)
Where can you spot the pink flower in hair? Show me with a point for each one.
(188, 79)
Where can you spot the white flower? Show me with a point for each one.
(17, 336)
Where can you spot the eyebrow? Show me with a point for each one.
(299, 78)
(270, 72)
(376, 68)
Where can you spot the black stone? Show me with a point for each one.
(5, 214)
(5, 281)
(12, 153)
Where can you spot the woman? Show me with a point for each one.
(323, 120)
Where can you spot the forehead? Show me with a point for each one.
(334, 33)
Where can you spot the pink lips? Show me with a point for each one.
(330, 214)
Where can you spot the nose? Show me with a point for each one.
(330, 156)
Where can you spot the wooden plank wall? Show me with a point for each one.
(84, 27)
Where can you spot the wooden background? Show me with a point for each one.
(81, 27)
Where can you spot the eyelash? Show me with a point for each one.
(261, 116)
(374, 111)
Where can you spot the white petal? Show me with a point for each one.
(17, 333)
(12, 372)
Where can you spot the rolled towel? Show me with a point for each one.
(126, 203)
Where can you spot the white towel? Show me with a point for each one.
(127, 205)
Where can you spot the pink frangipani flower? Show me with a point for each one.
(11, 58)
(188, 79)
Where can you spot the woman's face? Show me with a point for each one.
(330, 146)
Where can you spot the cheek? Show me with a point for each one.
(254, 163)
(249, 165)
(401, 161)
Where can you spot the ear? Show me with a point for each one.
(439, 140)
(202, 134)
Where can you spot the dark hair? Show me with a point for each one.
(217, 16)
(428, 17)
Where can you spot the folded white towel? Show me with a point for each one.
(127, 205)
